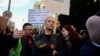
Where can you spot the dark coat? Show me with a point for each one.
(88, 49)
(46, 50)
(3, 41)
(26, 49)
(65, 46)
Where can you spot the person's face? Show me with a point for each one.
(49, 23)
(28, 31)
(84, 34)
(58, 24)
(65, 32)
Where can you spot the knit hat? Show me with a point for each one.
(82, 31)
(93, 27)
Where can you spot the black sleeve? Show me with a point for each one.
(10, 42)
(34, 46)
(2, 44)
(6, 43)
(34, 49)
(59, 47)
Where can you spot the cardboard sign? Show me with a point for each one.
(37, 16)
(58, 6)
(3, 22)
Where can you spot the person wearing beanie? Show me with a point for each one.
(92, 46)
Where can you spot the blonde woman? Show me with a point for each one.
(47, 43)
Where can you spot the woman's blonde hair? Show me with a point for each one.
(48, 18)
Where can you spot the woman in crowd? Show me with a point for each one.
(47, 43)
(70, 40)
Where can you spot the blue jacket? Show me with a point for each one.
(88, 49)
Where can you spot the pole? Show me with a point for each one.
(9, 5)
(7, 19)
(55, 24)
(8, 10)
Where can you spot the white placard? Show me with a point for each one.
(37, 16)
(58, 6)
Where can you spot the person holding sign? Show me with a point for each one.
(47, 43)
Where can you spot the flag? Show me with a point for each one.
(18, 48)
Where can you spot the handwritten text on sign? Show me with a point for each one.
(37, 16)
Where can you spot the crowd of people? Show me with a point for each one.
(65, 42)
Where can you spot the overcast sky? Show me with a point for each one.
(19, 9)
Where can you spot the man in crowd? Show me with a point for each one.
(92, 46)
